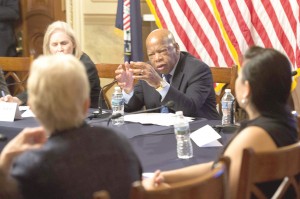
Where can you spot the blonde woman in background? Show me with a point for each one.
(60, 39)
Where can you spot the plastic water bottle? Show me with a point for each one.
(227, 102)
(117, 104)
(182, 132)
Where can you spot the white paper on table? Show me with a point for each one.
(28, 113)
(23, 108)
(9, 111)
(162, 119)
(206, 136)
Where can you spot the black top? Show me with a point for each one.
(93, 80)
(283, 131)
(77, 162)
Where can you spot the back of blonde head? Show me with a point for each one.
(66, 28)
(58, 90)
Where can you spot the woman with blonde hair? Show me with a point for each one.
(65, 157)
(60, 38)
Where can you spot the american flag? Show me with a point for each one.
(128, 19)
(220, 31)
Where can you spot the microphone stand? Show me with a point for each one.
(98, 113)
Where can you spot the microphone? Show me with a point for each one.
(98, 113)
(170, 104)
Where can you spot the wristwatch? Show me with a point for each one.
(162, 85)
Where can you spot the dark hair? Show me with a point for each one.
(269, 74)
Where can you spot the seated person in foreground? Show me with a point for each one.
(8, 187)
(69, 158)
(60, 39)
(190, 85)
(262, 90)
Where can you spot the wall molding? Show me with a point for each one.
(101, 19)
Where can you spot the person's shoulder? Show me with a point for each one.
(106, 133)
(85, 57)
(192, 60)
(254, 137)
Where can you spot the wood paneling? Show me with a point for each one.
(36, 16)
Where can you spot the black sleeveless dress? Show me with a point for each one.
(283, 131)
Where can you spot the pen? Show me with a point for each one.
(2, 93)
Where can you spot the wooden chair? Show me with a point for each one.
(282, 164)
(101, 195)
(226, 75)
(16, 71)
(213, 184)
(106, 73)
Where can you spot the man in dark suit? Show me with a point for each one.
(67, 158)
(9, 13)
(172, 75)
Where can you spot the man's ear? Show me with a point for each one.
(176, 45)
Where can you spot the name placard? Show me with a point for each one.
(9, 111)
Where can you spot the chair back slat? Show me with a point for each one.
(213, 184)
(106, 73)
(282, 164)
(16, 70)
(227, 76)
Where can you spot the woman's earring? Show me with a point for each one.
(244, 102)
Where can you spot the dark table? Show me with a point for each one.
(155, 145)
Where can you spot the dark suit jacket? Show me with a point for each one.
(3, 85)
(93, 80)
(9, 13)
(191, 89)
(75, 163)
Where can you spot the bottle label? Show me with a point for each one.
(182, 130)
(117, 102)
(226, 104)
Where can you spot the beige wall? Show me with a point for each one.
(102, 41)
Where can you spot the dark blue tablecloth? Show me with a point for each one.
(154, 145)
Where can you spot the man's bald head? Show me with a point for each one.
(160, 35)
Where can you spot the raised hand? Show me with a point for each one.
(125, 77)
(29, 138)
(144, 71)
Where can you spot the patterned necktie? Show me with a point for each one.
(165, 109)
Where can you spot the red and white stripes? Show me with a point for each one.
(219, 32)
(126, 19)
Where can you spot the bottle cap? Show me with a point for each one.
(227, 90)
(117, 88)
(179, 113)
